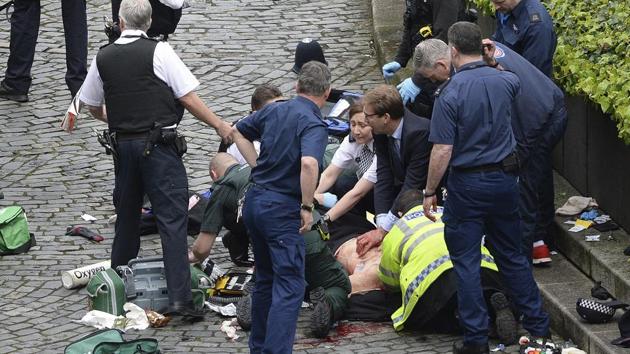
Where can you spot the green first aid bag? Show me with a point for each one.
(106, 292)
(14, 235)
(111, 341)
(200, 282)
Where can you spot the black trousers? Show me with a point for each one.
(24, 32)
(162, 176)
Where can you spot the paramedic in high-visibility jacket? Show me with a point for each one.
(416, 262)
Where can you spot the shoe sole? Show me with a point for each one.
(507, 328)
(244, 312)
(320, 320)
(541, 261)
(14, 99)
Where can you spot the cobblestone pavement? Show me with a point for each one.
(231, 46)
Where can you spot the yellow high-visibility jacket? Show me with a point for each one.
(414, 256)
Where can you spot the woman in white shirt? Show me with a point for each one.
(356, 152)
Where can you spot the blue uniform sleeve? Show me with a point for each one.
(250, 126)
(313, 140)
(539, 44)
(443, 120)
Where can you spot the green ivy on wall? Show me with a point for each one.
(593, 53)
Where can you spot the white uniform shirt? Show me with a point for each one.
(167, 66)
(173, 4)
(347, 154)
(236, 153)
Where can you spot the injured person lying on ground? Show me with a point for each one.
(410, 278)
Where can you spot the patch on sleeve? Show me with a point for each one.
(535, 17)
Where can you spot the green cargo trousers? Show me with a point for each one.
(322, 269)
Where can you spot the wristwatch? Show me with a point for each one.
(428, 194)
(307, 207)
(326, 218)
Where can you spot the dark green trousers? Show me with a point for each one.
(322, 269)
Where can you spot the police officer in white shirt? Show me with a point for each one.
(146, 87)
(356, 152)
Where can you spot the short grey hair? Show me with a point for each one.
(136, 14)
(314, 79)
(428, 52)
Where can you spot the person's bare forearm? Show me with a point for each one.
(198, 108)
(308, 179)
(328, 178)
(350, 199)
(98, 112)
(440, 158)
(203, 245)
(245, 147)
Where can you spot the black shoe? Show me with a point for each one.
(462, 348)
(244, 312)
(187, 310)
(322, 317)
(507, 328)
(238, 249)
(11, 94)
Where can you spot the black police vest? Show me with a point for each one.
(135, 98)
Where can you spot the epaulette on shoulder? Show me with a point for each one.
(441, 88)
(534, 17)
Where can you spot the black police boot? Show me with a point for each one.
(12, 94)
(506, 325)
(244, 312)
(322, 317)
(187, 310)
(462, 348)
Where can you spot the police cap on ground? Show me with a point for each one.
(594, 311)
(307, 50)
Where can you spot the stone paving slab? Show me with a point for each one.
(231, 46)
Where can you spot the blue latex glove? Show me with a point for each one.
(390, 69)
(589, 215)
(408, 91)
(329, 200)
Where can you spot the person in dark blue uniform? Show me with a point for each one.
(526, 27)
(145, 99)
(538, 124)
(24, 33)
(278, 207)
(542, 120)
(471, 131)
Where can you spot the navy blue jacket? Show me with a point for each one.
(535, 105)
(528, 30)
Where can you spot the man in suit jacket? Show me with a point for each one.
(401, 142)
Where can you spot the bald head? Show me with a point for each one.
(220, 163)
